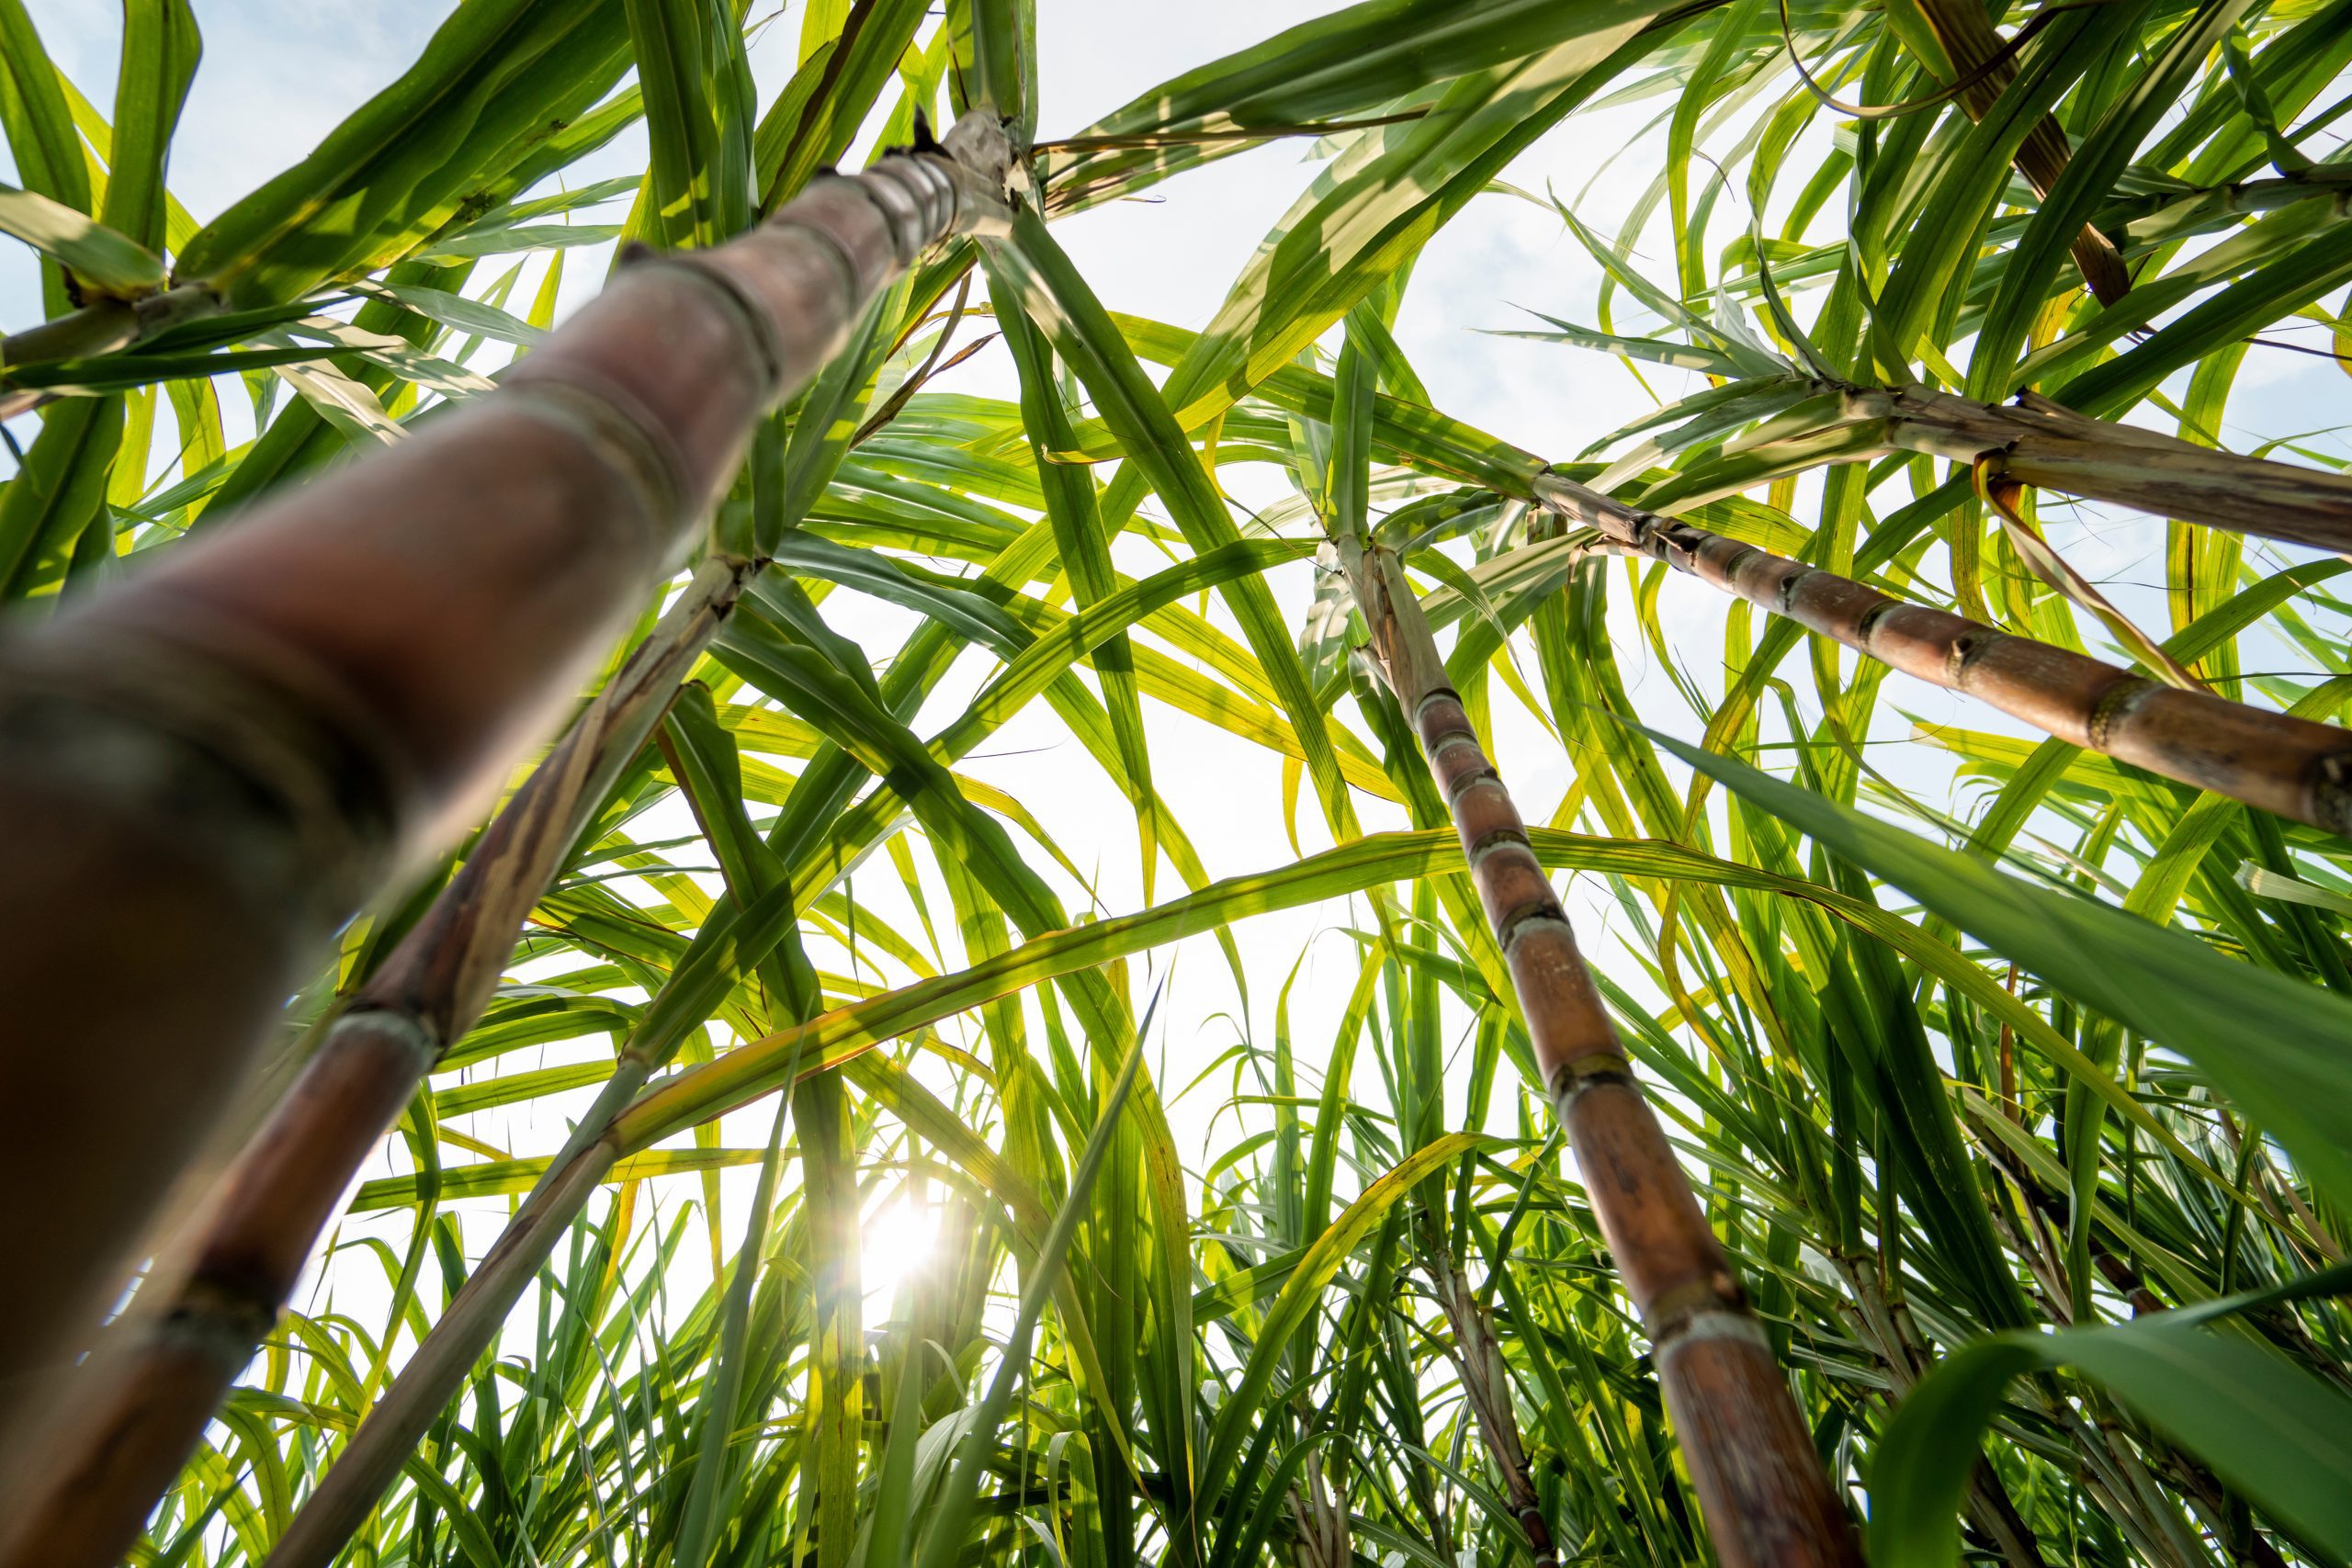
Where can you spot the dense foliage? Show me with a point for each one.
(2027, 1127)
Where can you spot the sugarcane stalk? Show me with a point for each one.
(102, 326)
(240, 744)
(1766, 1500)
(1986, 71)
(1902, 1359)
(2035, 441)
(1486, 1387)
(1318, 1521)
(425, 1387)
(2038, 442)
(2160, 211)
(2290, 767)
(139, 1410)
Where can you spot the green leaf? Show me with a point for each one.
(1082, 332)
(500, 82)
(2261, 1037)
(1376, 207)
(158, 54)
(1085, 548)
(814, 119)
(61, 490)
(695, 116)
(39, 127)
(108, 263)
(945, 1531)
(2272, 1431)
(1354, 64)
(467, 315)
(1294, 1307)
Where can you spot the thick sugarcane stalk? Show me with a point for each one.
(137, 1411)
(214, 764)
(1766, 1500)
(1974, 49)
(2035, 441)
(2289, 766)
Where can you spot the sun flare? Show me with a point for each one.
(896, 1240)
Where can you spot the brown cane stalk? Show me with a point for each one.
(2035, 441)
(1975, 51)
(141, 1405)
(1486, 1386)
(423, 1388)
(2287, 766)
(1766, 1498)
(238, 745)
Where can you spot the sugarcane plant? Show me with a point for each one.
(558, 1018)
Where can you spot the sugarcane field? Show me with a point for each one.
(1090, 783)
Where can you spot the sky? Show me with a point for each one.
(278, 74)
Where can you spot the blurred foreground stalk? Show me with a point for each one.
(213, 766)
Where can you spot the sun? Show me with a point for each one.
(896, 1239)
